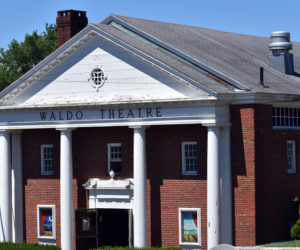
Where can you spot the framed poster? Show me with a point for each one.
(189, 226)
(46, 221)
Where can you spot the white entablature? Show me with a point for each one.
(106, 116)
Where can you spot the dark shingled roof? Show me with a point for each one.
(236, 56)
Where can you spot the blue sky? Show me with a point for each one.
(254, 17)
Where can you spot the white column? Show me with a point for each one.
(139, 175)
(213, 187)
(17, 188)
(226, 186)
(66, 189)
(5, 187)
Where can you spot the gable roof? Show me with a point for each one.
(233, 57)
(216, 64)
(62, 78)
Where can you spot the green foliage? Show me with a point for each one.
(21, 57)
(295, 231)
(23, 246)
(128, 248)
(294, 243)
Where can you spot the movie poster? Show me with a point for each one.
(46, 229)
(190, 227)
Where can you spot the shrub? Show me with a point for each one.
(295, 231)
(128, 248)
(24, 246)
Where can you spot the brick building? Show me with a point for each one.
(138, 132)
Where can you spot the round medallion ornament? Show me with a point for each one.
(98, 78)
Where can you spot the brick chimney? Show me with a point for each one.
(69, 23)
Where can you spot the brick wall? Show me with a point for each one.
(262, 188)
(276, 211)
(243, 174)
(38, 189)
(168, 190)
(90, 155)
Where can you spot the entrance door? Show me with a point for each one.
(114, 227)
(103, 227)
(86, 229)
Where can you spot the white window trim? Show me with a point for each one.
(52, 207)
(184, 172)
(198, 210)
(293, 169)
(109, 145)
(43, 171)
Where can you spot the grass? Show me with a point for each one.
(294, 243)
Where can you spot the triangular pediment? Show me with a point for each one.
(65, 77)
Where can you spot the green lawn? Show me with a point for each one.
(294, 243)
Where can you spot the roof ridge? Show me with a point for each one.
(173, 50)
(188, 25)
(182, 25)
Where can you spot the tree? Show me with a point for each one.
(21, 57)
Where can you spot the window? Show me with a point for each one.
(114, 151)
(189, 226)
(47, 160)
(98, 78)
(189, 158)
(286, 117)
(46, 221)
(291, 157)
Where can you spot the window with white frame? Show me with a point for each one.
(286, 117)
(46, 221)
(189, 152)
(291, 157)
(114, 151)
(190, 226)
(47, 163)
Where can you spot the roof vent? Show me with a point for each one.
(280, 58)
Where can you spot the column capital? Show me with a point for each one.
(217, 125)
(65, 129)
(16, 131)
(139, 127)
(4, 131)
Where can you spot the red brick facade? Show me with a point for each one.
(168, 190)
(243, 174)
(262, 190)
(276, 212)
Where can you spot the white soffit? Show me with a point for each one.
(129, 79)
